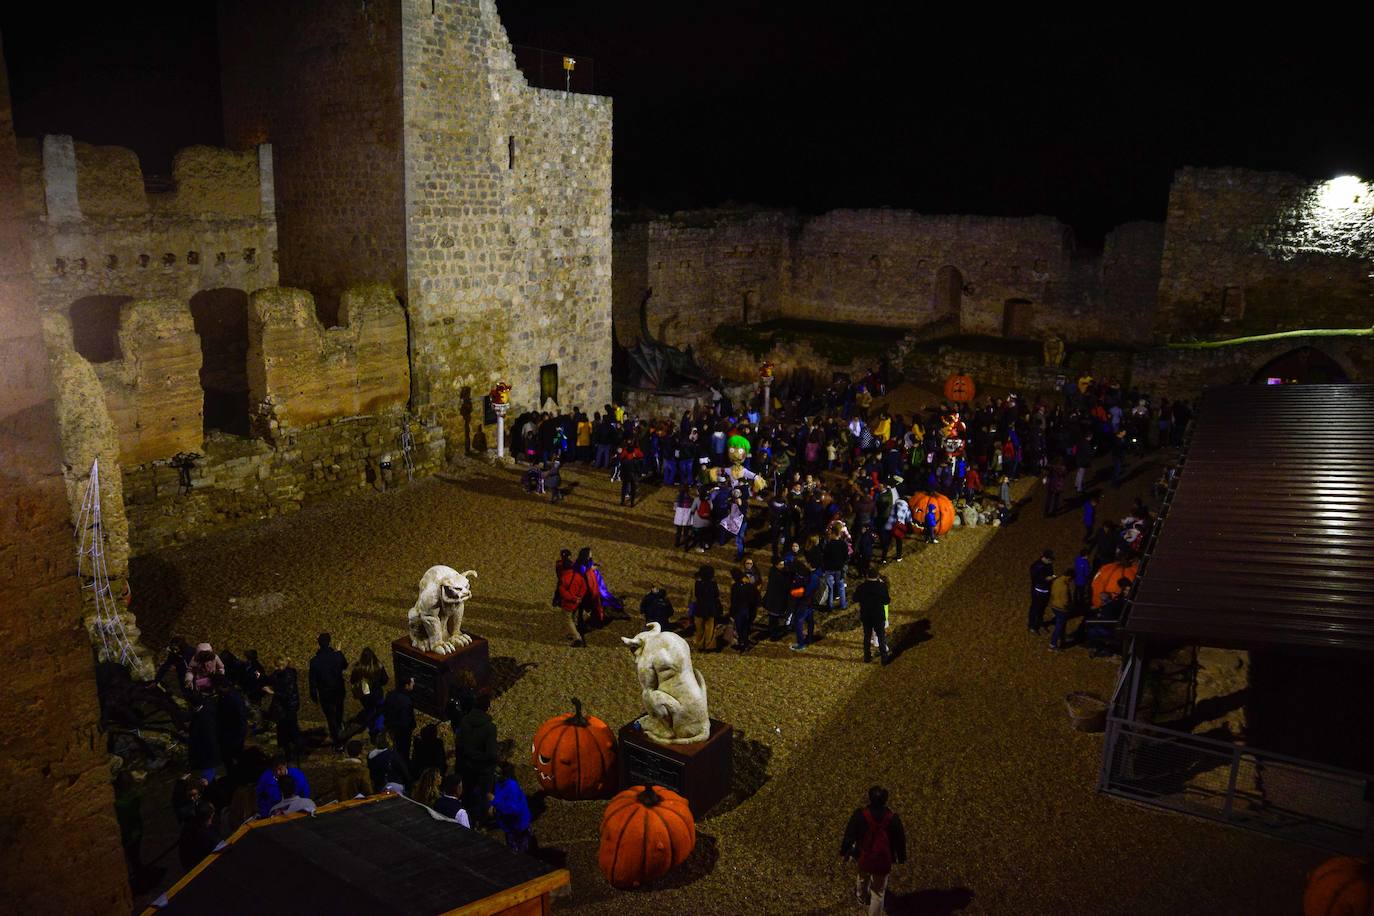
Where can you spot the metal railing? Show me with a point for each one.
(1271, 793)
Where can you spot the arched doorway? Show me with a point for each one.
(221, 318)
(949, 292)
(1303, 366)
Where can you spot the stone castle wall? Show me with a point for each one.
(413, 152)
(52, 759)
(1254, 252)
(886, 268)
(322, 82)
(508, 234)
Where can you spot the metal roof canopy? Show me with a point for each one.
(1268, 539)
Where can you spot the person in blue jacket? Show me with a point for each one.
(932, 522)
(269, 789)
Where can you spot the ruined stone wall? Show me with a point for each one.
(1254, 252)
(707, 269)
(59, 808)
(242, 481)
(1130, 282)
(945, 274)
(152, 392)
(322, 83)
(508, 233)
(301, 373)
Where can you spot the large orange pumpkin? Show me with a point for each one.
(944, 510)
(644, 833)
(1107, 578)
(574, 755)
(1340, 887)
(959, 388)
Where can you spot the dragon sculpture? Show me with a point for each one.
(660, 366)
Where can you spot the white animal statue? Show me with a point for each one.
(436, 620)
(673, 692)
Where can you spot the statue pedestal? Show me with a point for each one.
(436, 676)
(698, 772)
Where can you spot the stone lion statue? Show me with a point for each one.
(673, 692)
(436, 620)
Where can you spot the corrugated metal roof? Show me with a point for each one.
(1268, 539)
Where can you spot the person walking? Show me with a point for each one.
(285, 707)
(1060, 606)
(1082, 460)
(1054, 487)
(572, 590)
(1090, 517)
(327, 685)
(776, 598)
(398, 710)
(368, 679)
(873, 597)
(874, 840)
(631, 463)
(1041, 572)
(810, 589)
(834, 559)
(708, 606)
(744, 607)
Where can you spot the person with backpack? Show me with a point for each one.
(572, 590)
(875, 840)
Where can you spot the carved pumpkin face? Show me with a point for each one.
(645, 832)
(959, 388)
(574, 756)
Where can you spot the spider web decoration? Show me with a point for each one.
(95, 578)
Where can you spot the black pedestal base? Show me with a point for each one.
(436, 675)
(699, 772)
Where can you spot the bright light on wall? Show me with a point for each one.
(1343, 193)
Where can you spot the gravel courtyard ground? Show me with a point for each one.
(967, 726)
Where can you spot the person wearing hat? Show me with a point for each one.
(1041, 574)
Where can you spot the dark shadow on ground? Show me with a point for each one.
(749, 772)
(908, 636)
(506, 672)
(941, 902)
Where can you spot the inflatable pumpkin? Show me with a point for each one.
(1340, 887)
(959, 388)
(1107, 578)
(574, 755)
(944, 511)
(645, 832)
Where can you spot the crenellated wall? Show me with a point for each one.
(94, 231)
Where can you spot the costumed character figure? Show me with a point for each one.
(599, 603)
(737, 448)
(673, 692)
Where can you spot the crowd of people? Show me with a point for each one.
(833, 486)
(230, 778)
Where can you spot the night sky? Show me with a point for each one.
(853, 105)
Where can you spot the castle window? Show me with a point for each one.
(510, 152)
